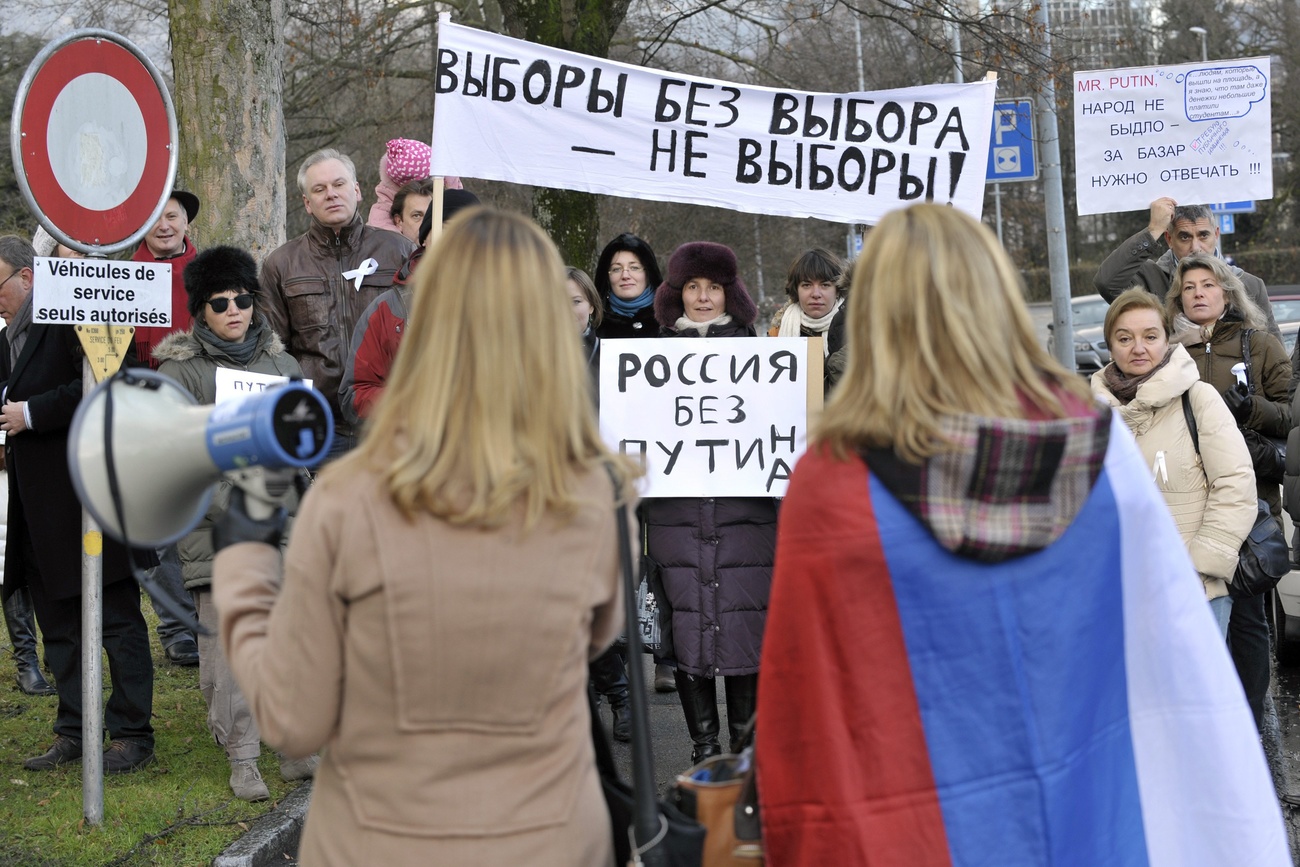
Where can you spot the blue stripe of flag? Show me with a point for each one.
(1019, 673)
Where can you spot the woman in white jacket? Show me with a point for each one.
(1210, 492)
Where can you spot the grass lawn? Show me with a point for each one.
(177, 811)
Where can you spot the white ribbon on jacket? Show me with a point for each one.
(361, 272)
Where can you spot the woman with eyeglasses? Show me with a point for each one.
(228, 331)
(626, 278)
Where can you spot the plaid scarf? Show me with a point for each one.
(1006, 487)
(1125, 387)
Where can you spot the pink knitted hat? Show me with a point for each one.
(408, 160)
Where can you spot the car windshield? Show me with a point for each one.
(1289, 330)
(1286, 309)
(1092, 312)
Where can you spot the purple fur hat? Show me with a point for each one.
(711, 261)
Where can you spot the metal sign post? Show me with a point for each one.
(93, 138)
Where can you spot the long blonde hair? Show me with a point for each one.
(488, 406)
(1234, 291)
(936, 326)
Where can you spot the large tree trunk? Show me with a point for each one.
(228, 58)
(586, 26)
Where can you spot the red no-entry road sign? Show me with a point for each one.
(94, 141)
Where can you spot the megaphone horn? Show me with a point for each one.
(168, 452)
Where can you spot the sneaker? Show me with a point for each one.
(124, 756)
(63, 750)
(298, 769)
(664, 680)
(246, 781)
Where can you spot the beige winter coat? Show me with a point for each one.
(442, 669)
(1211, 495)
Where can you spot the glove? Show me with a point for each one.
(236, 525)
(1239, 402)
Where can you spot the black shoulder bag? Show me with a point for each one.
(1263, 559)
(646, 830)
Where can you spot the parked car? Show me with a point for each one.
(1090, 352)
(1286, 310)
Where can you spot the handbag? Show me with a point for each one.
(721, 792)
(647, 831)
(1263, 558)
(683, 837)
(1267, 453)
(653, 618)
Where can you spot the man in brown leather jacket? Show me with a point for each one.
(317, 285)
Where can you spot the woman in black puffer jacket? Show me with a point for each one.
(714, 555)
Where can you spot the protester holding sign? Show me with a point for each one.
(627, 275)
(228, 331)
(714, 554)
(816, 303)
(1212, 314)
(986, 636)
(1187, 230)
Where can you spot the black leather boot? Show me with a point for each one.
(609, 677)
(22, 632)
(699, 696)
(742, 701)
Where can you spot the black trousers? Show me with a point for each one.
(126, 640)
(1248, 641)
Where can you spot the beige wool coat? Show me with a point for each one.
(1211, 495)
(442, 669)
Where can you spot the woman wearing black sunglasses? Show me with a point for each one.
(228, 332)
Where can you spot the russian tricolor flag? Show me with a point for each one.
(1075, 706)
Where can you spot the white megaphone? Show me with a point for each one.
(166, 453)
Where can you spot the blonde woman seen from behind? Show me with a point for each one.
(446, 584)
(1209, 484)
(984, 631)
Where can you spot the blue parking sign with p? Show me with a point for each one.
(1012, 154)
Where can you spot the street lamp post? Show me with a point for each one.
(1200, 31)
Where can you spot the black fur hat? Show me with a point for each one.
(629, 243)
(711, 261)
(217, 270)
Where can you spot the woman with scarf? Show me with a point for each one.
(1216, 321)
(714, 555)
(816, 304)
(626, 278)
(1208, 483)
(627, 275)
(228, 332)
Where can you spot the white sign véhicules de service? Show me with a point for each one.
(101, 291)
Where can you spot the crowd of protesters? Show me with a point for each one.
(449, 583)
